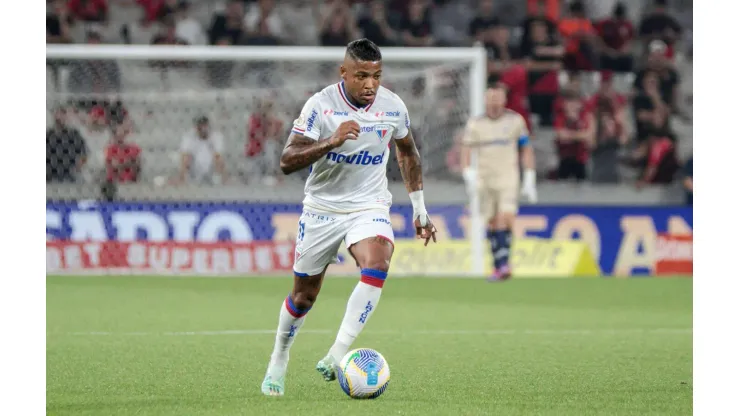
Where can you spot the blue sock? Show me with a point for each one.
(500, 244)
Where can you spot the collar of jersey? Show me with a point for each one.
(343, 94)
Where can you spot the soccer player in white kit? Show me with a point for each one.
(343, 135)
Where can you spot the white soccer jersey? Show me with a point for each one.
(351, 177)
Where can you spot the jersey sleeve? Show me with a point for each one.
(308, 123)
(470, 134)
(404, 121)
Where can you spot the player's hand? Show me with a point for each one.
(424, 228)
(530, 194)
(469, 177)
(529, 187)
(349, 130)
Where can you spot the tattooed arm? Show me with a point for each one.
(301, 152)
(410, 163)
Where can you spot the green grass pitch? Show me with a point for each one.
(199, 346)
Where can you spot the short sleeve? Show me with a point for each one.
(308, 123)
(404, 122)
(470, 135)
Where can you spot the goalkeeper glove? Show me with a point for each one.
(529, 190)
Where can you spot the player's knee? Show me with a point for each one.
(304, 299)
(381, 265)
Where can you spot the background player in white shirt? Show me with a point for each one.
(343, 135)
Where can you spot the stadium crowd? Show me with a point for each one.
(604, 83)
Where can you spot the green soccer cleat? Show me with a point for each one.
(272, 387)
(328, 368)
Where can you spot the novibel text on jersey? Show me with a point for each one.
(362, 158)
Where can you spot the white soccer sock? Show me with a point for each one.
(360, 306)
(291, 320)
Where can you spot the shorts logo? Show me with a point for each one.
(366, 312)
(311, 120)
(388, 114)
(336, 113)
(383, 220)
(381, 130)
(301, 230)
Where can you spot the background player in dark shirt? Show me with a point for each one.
(66, 151)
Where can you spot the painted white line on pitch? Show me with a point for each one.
(417, 332)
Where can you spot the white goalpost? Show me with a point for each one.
(164, 88)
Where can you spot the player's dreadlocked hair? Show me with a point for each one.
(364, 50)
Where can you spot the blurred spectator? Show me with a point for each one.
(650, 110)
(141, 31)
(416, 25)
(58, 22)
(660, 25)
(66, 151)
(575, 131)
(483, 20)
(616, 34)
(97, 133)
(610, 138)
(168, 34)
(89, 10)
(662, 163)
(264, 138)
(300, 34)
(573, 88)
(219, 73)
(201, 151)
(187, 27)
(229, 24)
(337, 25)
(537, 13)
(94, 76)
(450, 20)
(547, 8)
(262, 20)
(155, 10)
(579, 39)
(122, 159)
(501, 54)
(688, 180)
(607, 96)
(668, 77)
(514, 77)
(375, 26)
(542, 57)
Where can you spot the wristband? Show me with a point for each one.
(417, 201)
(530, 177)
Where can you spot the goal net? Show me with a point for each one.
(123, 198)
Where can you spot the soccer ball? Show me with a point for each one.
(363, 374)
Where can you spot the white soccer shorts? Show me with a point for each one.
(321, 233)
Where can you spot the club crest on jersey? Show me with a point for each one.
(381, 130)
